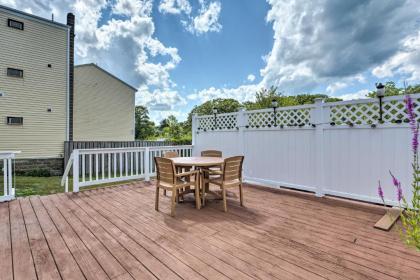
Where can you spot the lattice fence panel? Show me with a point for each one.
(220, 122)
(393, 111)
(297, 117)
(363, 113)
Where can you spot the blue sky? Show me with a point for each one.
(219, 58)
(180, 53)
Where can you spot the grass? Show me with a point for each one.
(27, 185)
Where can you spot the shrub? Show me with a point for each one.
(41, 172)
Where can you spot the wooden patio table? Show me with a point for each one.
(200, 163)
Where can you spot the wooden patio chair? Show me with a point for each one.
(170, 154)
(231, 176)
(211, 153)
(173, 154)
(168, 179)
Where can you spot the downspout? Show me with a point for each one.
(71, 23)
(67, 84)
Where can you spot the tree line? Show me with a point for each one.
(180, 132)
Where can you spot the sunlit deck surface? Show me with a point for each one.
(115, 233)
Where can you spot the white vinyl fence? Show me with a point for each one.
(7, 192)
(338, 148)
(99, 166)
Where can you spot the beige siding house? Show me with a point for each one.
(33, 84)
(103, 106)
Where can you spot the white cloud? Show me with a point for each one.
(241, 93)
(325, 41)
(361, 94)
(332, 88)
(132, 7)
(405, 62)
(207, 20)
(251, 77)
(159, 100)
(175, 7)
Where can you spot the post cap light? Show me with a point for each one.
(274, 103)
(214, 111)
(380, 90)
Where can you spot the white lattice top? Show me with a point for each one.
(367, 111)
(220, 121)
(354, 112)
(282, 117)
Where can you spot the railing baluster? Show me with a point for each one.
(109, 165)
(121, 165)
(5, 173)
(83, 167)
(103, 165)
(126, 164)
(90, 167)
(115, 164)
(96, 166)
(137, 162)
(131, 163)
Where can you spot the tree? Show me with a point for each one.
(223, 105)
(145, 128)
(170, 128)
(264, 97)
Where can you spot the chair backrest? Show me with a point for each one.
(170, 154)
(211, 153)
(165, 170)
(232, 168)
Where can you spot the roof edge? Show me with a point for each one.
(34, 17)
(103, 70)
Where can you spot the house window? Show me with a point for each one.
(15, 24)
(12, 72)
(14, 120)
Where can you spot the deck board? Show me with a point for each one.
(23, 263)
(115, 233)
(6, 264)
(44, 261)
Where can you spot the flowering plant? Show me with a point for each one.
(410, 217)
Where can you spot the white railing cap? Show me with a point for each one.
(8, 154)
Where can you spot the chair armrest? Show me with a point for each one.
(188, 173)
(213, 172)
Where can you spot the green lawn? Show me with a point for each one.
(26, 185)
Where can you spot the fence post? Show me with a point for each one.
(5, 174)
(9, 170)
(75, 170)
(193, 132)
(319, 118)
(241, 122)
(147, 165)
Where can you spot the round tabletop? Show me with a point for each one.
(198, 161)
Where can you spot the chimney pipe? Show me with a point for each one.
(70, 23)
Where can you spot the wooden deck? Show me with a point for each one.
(115, 233)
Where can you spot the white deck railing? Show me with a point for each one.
(8, 189)
(99, 166)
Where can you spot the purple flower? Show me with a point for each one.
(415, 141)
(409, 105)
(399, 192)
(395, 181)
(381, 192)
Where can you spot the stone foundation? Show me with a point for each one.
(38, 167)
